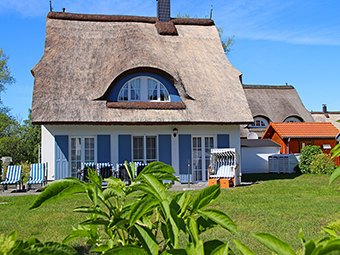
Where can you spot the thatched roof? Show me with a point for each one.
(329, 116)
(275, 103)
(84, 55)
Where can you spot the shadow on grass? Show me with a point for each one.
(267, 177)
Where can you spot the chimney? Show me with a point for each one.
(324, 108)
(163, 10)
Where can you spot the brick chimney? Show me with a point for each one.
(324, 110)
(163, 10)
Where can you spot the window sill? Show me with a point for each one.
(147, 105)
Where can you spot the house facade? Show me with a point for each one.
(127, 88)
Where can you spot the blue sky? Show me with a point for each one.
(277, 41)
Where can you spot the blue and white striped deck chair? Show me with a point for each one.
(105, 171)
(37, 175)
(13, 176)
(84, 170)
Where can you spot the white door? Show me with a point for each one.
(201, 146)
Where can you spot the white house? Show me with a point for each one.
(115, 88)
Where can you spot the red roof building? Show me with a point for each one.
(294, 136)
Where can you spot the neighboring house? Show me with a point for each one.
(273, 104)
(255, 153)
(293, 137)
(327, 116)
(116, 88)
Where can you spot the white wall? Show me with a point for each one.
(47, 151)
(255, 159)
(49, 131)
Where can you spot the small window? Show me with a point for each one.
(259, 122)
(292, 119)
(143, 88)
(144, 149)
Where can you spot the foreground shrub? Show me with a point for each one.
(322, 164)
(142, 218)
(306, 158)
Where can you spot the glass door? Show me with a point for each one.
(82, 150)
(201, 156)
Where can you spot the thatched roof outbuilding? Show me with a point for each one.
(86, 54)
(274, 103)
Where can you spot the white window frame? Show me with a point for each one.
(204, 166)
(261, 120)
(292, 119)
(144, 90)
(82, 152)
(144, 160)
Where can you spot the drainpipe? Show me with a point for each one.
(288, 145)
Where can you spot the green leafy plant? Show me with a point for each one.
(322, 164)
(306, 158)
(142, 218)
(10, 245)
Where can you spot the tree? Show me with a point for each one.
(226, 44)
(5, 73)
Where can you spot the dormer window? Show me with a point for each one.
(143, 88)
(259, 122)
(292, 119)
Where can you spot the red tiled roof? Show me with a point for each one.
(304, 129)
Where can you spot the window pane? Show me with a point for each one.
(151, 148)
(135, 89)
(152, 90)
(89, 150)
(124, 93)
(75, 156)
(164, 96)
(138, 148)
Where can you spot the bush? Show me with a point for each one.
(322, 164)
(306, 158)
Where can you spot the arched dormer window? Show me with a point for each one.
(292, 119)
(259, 122)
(143, 88)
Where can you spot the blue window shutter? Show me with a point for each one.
(61, 157)
(124, 151)
(103, 148)
(184, 153)
(164, 148)
(223, 141)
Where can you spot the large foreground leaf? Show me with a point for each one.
(274, 244)
(59, 189)
(244, 250)
(220, 218)
(206, 197)
(335, 175)
(146, 237)
(127, 250)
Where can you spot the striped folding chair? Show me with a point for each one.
(104, 170)
(37, 175)
(13, 176)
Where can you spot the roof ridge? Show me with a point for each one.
(126, 18)
(249, 86)
(300, 123)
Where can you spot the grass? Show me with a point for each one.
(280, 207)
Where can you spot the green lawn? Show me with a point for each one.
(280, 206)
